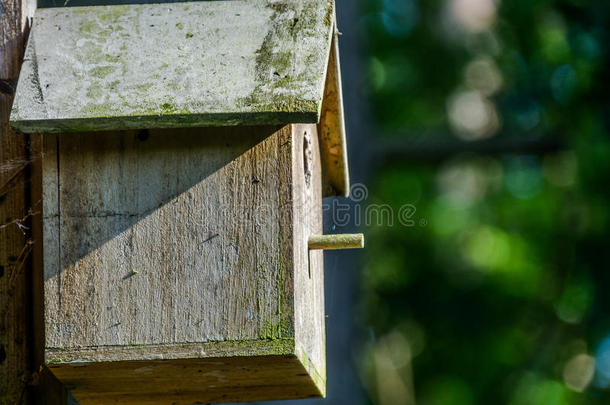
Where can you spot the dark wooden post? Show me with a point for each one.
(20, 206)
(16, 355)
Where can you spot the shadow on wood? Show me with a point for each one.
(167, 252)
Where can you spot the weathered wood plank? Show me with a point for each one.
(309, 265)
(335, 172)
(159, 239)
(211, 380)
(183, 246)
(175, 65)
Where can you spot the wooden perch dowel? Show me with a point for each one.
(333, 242)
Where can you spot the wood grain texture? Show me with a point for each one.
(309, 265)
(15, 202)
(210, 380)
(211, 63)
(166, 239)
(183, 245)
(187, 64)
(333, 140)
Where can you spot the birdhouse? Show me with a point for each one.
(186, 151)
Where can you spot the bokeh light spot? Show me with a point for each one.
(574, 302)
(602, 364)
(561, 169)
(448, 390)
(472, 116)
(578, 372)
(377, 74)
(488, 248)
(563, 83)
(463, 183)
(473, 15)
(399, 17)
(533, 389)
(483, 75)
(392, 357)
(523, 176)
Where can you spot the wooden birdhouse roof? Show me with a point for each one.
(191, 64)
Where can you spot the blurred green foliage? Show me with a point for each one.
(498, 291)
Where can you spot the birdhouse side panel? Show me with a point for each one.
(309, 265)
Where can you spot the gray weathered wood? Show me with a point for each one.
(241, 62)
(188, 381)
(183, 245)
(306, 210)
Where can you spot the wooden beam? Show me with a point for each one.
(15, 203)
(21, 381)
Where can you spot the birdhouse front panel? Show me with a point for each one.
(186, 151)
(168, 245)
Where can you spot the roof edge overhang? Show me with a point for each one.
(166, 65)
(128, 67)
(333, 142)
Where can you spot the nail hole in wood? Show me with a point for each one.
(143, 135)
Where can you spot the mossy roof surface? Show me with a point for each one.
(212, 63)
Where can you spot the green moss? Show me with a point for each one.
(329, 16)
(166, 107)
(304, 358)
(285, 305)
(279, 97)
(227, 347)
(103, 118)
(93, 110)
(318, 379)
(278, 104)
(270, 331)
(101, 72)
(112, 58)
(95, 91)
(275, 69)
(142, 88)
(276, 330)
(112, 14)
(89, 27)
(278, 8)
